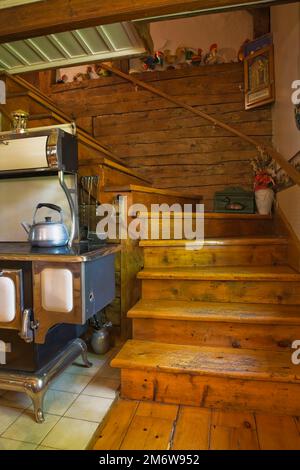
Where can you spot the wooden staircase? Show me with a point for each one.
(215, 326)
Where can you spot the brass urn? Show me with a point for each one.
(19, 120)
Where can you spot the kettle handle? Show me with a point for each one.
(54, 207)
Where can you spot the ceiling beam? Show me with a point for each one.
(52, 16)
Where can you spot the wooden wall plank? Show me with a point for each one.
(165, 143)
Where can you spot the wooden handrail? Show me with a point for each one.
(43, 99)
(260, 146)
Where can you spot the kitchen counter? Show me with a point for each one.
(81, 252)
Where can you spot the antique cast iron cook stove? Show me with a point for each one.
(46, 294)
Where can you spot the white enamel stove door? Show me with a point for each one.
(11, 299)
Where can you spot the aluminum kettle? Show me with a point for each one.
(47, 233)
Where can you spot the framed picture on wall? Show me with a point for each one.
(259, 77)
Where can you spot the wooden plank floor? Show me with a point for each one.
(133, 425)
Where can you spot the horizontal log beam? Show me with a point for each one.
(52, 16)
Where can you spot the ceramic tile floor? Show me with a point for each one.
(75, 404)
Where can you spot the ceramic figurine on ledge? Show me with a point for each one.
(212, 57)
(170, 59)
(197, 58)
(149, 62)
(91, 72)
(159, 58)
(152, 61)
(63, 79)
(80, 77)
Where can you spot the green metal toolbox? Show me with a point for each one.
(234, 200)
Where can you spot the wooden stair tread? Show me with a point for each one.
(216, 312)
(146, 189)
(224, 241)
(223, 273)
(245, 364)
(210, 215)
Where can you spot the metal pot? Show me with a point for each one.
(100, 341)
(47, 233)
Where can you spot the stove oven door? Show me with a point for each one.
(11, 299)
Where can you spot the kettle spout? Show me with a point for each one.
(26, 226)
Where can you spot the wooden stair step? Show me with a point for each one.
(230, 325)
(244, 364)
(216, 312)
(210, 377)
(224, 241)
(219, 273)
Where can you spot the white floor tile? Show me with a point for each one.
(73, 383)
(80, 370)
(7, 416)
(57, 402)
(70, 434)
(10, 444)
(89, 408)
(102, 387)
(26, 429)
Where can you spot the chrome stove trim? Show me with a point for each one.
(73, 208)
(35, 385)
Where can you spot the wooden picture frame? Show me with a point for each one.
(259, 78)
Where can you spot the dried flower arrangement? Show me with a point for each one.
(265, 171)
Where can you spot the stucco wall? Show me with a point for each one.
(228, 30)
(286, 30)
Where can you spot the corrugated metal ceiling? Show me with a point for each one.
(70, 48)
(15, 3)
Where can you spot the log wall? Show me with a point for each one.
(167, 144)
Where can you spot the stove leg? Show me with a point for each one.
(84, 356)
(38, 404)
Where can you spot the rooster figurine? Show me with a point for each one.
(211, 57)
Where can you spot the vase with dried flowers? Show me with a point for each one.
(264, 182)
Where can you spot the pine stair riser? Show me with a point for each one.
(218, 227)
(215, 256)
(238, 227)
(274, 292)
(211, 392)
(219, 334)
